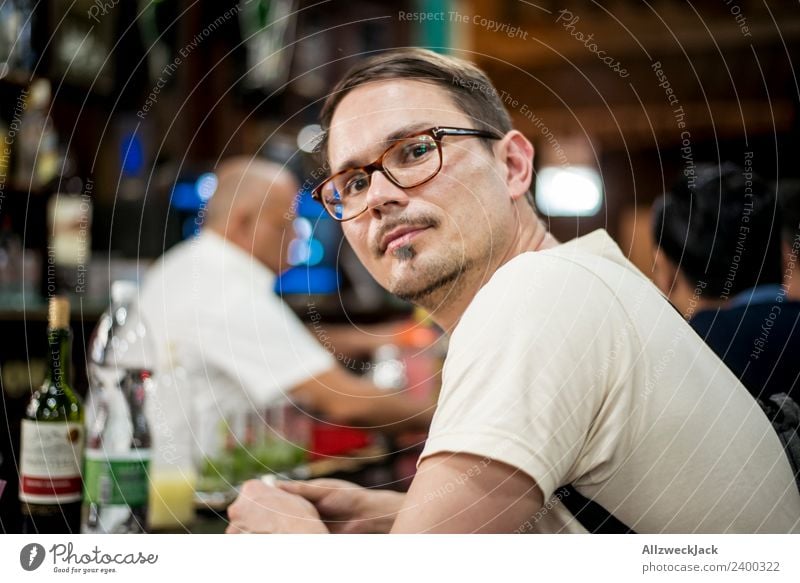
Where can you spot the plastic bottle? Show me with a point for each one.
(118, 448)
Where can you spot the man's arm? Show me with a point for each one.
(350, 400)
(462, 493)
(358, 341)
(451, 493)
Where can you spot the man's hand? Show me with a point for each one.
(267, 509)
(347, 508)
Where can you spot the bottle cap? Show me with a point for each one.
(58, 312)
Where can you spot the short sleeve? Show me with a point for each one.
(528, 368)
(262, 346)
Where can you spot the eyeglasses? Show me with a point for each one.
(408, 162)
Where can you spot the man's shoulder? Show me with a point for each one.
(172, 257)
(561, 287)
(188, 260)
(168, 281)
(558, 272)
(545, 287)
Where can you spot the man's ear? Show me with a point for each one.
(516, 151)
(239, 227)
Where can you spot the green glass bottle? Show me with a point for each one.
(51, 444)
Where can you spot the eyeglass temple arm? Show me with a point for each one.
(439, 133)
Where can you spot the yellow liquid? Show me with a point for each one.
(171, 500)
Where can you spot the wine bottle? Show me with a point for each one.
(52, 437)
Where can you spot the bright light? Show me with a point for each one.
(302, 228)
(573, 191)
(206, 185)
(309, 252)
(304, 249)
(308, 136)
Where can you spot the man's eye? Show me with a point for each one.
(417, 151)
(356, 185)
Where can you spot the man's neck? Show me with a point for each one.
(449, 304)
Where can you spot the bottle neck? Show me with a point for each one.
(59, 342)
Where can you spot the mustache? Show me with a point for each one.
(419, 220)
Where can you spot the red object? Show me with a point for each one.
(329, 440)
(50, 486)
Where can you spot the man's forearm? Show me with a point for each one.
(350, 400)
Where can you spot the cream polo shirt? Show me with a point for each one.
(571, 366)
(211, 310)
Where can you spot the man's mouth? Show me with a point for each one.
(400, 237)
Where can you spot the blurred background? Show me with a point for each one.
(125, 108)
(140, 100)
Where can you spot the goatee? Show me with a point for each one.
(441, 284)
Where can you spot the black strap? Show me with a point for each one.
(784, 414)
(592, 516)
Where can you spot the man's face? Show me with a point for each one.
(426, 242)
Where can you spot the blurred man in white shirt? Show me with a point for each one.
(210, 304)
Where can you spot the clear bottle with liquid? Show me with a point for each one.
(118, 449)
(173, 469)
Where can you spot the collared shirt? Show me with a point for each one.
(760, 294)
(214, 317)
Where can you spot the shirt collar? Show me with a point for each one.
(761, 294)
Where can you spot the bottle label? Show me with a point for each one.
(50, 462)
(118, 479)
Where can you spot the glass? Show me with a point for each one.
(408, 162)
(174, 433)
(268, 441)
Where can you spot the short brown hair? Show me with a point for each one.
(466, 84)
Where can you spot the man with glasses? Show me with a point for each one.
(566, 365)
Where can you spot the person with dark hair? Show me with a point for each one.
(565, 363)
(716, 234)
(718, 260)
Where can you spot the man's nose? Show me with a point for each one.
(383, 192)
